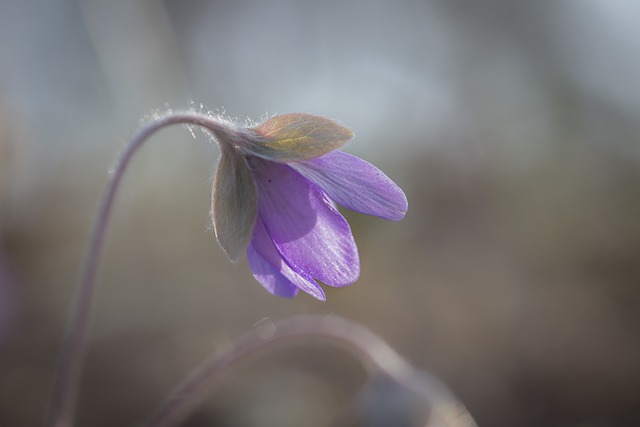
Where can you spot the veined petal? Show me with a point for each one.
(296, 137)
(269, 276)
(234, 203)
(355, 184)
(304, 225)
(273, 273)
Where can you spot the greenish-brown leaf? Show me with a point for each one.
(297, 136)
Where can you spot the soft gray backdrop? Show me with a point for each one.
(514, 128)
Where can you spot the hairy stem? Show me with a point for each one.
(70, 363)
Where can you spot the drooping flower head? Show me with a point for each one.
(274, 196)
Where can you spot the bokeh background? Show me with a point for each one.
(514, 128)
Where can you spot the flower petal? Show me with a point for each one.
(296, 136)
(234, 203)
(304, 225)
(269, 276)
(273, 272)
(355, 184)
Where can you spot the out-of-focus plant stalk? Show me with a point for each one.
(373, 351)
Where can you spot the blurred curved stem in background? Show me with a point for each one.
(370, 349)
(70, 363)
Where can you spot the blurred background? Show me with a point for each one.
(513, 127)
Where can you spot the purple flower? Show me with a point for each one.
(274, 194)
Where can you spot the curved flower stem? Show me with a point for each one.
(376, 354)
(70, 363)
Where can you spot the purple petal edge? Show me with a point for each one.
(355, 184)
(268, 276)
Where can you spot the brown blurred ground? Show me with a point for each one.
(514, 130)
